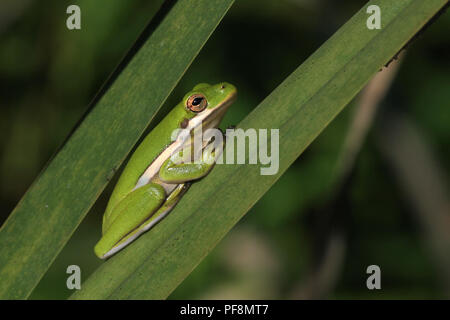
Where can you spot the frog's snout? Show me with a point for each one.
(225, 87)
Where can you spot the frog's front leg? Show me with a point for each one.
(129, 213)
(174, 170)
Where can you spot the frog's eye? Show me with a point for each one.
(197, 102)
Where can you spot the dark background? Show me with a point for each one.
(308, 237)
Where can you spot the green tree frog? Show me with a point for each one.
(155, 178)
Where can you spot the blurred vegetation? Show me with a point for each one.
(49, 75)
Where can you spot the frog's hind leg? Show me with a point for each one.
(134, 209)
(162, 212)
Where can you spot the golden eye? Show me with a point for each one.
(197, 103)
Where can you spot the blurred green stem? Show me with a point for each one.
(424, 184)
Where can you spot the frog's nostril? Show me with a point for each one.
(222, 86)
